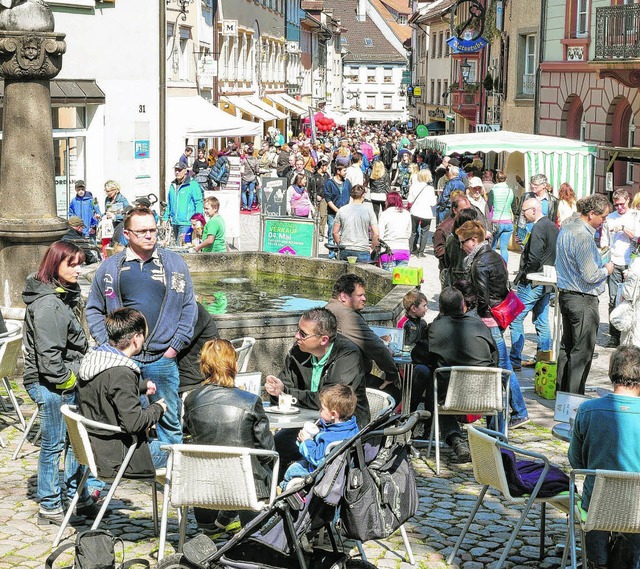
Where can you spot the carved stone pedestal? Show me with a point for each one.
(28, 213)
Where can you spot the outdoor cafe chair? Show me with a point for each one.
(78, 428)
(212, 477)
(380, 402)
(614, 507)
(488, 470)
(471, 390)
(10, 349)
(244, 348)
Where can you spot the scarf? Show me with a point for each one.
(299, 189)
(468, 260)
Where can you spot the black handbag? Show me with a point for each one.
(381, 496)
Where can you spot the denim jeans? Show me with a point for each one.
(614, 280)
(331, 218)
(391, 264)
(605, 551)
(164, 373)
(52, 444)
(535, 300)
(177, 230)
(516, 401)
(503, 235)
(248, 193)
(418, 242)
(363, 256)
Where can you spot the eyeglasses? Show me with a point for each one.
(304, 335)
(463, 242)
(620, 204)
(143, 232)
(526, 209)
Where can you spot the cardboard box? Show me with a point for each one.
(407, 275)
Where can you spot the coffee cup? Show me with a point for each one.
(285, 401)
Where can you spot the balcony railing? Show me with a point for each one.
(618, 32)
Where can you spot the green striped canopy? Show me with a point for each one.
(560, 159)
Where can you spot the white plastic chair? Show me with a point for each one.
(471, 390)
(243, 347)
(10, 350)
(380, 402)
(78, 428)
(614, 507)
(212, 477)
(488, 470)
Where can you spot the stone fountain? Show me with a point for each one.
(30, 56)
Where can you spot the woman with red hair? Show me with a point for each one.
(395, 229)
(54, 343)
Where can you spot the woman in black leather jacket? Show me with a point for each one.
(379, 186)
(218, 413)
(488, 273)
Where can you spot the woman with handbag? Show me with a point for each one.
(499, 202)
(496, 303)
(420, 203)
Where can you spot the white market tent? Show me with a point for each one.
(560, 159)
(195, 117)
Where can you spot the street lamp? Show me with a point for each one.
(465, 68)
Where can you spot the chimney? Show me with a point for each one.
(361, 12)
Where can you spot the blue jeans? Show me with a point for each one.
(535, 300)
(177, 230)
(363, 256)
(516, 401)
(330, 221)
(248, 193)
(52, 444)
(503, 235)
(164, 373)
(603, 550)
(391, 264)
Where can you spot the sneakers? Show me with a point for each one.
(518, 422)
(54, 518)
(461, 449)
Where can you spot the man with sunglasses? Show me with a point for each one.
(157, 283)
(319, 358)
(620, 233)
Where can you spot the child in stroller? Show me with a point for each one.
(337, 423)
(370, 474)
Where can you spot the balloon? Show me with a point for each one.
(422, 131)
(280, 139)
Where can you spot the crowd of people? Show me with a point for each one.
(154, 341)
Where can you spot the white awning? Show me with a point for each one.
(560, 159)
(247, 106)
(266, 107)
(288, 103)
(194, 116)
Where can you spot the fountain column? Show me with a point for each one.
(28, 213)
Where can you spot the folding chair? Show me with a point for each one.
(380, 402)
(488, 470)
(212, 477)
(10, 350)
(243, 347)
(78, 428)
(471, 390)
(614, 506)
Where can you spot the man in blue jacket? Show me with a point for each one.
(336, 191)
(86, 208)
(183, 200)
(157, 283)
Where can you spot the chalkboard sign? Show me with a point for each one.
(273, 196)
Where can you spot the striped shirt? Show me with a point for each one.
(578, 262)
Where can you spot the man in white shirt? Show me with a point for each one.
(620, 233)
(352, 226)
(354, 172)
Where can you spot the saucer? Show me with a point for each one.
(291, 411)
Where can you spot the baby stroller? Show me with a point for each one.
(365, 489)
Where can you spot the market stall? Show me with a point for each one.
(561, 159)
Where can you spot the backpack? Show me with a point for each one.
(94, 549)
(300, 204)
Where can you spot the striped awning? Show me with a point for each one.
(560, 159)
